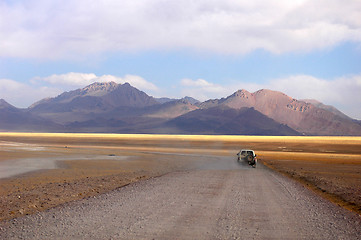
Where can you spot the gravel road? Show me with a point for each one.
(232, 202)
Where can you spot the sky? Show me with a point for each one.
(205, 49)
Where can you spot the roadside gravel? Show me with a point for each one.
(236, 202)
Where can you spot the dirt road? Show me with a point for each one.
(231, 201)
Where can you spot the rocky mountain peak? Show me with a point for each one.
(239, 99)
(99, 88)
(190, 100)
(242, 94)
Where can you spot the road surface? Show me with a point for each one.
(214, 202)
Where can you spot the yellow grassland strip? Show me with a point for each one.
(225, 138)
(305, 156)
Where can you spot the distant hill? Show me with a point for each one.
(188, 99)
(121, 108)
(14, 119)
(165, 100)
(226, 120)
(326, 107)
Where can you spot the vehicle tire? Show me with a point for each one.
(249, 159)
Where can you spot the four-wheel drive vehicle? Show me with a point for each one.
(249, 156)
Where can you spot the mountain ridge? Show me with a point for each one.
(15, 119)
(121, 108)
(226, 120)
(301, 116)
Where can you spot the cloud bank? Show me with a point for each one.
(71, 80)
(23, 95)
(66, 29)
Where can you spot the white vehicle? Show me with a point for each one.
(249, 156)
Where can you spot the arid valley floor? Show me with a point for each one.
(41, 171)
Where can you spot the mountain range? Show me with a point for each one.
(120, 108)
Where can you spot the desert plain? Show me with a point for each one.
(39, 171)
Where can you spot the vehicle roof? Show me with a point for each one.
(247, 150)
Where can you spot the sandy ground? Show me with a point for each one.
(77, 166)
(85, 172)
(337, 180)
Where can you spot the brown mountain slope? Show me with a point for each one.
(301, 116)
(326, 107)
(133, 120)
(14, 119)
(98, 98)
(171, 109)
(226, 120)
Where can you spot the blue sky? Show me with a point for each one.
(204, 49)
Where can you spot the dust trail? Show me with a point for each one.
(222, 163)
(15, 167)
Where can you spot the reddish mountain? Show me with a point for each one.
(301, 116)
(326, 107)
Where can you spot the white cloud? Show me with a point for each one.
(343, 90)
(201, 89)
(71, 29)
(71, 80)
(22, 95)
(139, 82)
